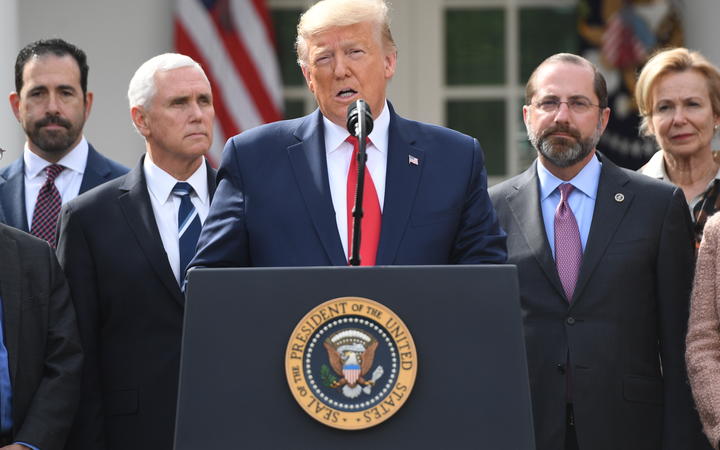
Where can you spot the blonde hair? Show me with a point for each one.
(673, 60)
(327, 14)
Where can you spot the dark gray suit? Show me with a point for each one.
(98, 170)
(42, 340)
(625, 328)
(130, 315)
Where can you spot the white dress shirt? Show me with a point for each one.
(339, 152)
(165, 205)
(67, 183)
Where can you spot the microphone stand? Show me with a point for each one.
(357, 213)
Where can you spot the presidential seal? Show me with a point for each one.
(351, 363)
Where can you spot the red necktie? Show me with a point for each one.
(47, 207)
(372, 217)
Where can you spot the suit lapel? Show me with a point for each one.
(401, 184)
(12, 196)
(607, 216)
(11, 293)
(524, 202)
(309, 165)
(211, 174)
(135, 203)
(97, 170)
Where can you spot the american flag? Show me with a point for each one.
(233, 41)
(627, 40)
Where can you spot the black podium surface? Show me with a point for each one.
(471, 390)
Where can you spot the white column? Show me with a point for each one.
(702, 33)
(11, 137)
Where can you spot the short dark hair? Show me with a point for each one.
(599, 84)
(57, 47)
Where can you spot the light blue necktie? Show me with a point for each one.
(189, 226)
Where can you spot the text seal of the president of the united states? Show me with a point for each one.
(351, 363)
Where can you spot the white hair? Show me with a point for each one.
(326, 14)
(142, 85)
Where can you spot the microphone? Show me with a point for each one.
(359, 124)
(359, 118)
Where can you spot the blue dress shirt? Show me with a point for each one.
(6, 421)
(582, 198)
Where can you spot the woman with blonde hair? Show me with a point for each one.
(678, 95)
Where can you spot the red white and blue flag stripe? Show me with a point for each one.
(351, 373)
(233, 41)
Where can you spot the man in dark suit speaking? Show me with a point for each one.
(605, 260)
(285, 189)
(124, 247)
(52, 103)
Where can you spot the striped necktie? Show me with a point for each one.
(47, 206)
(189, 226)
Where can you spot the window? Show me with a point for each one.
(285, 15)
(461, 63)
(491, 48)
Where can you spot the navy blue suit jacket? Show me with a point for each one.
(273, 205)
(98, 170)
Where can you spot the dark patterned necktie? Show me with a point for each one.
(189, 226)
(568, 247)
(372, 217)
(47, 207)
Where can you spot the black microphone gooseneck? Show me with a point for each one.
(359, 124)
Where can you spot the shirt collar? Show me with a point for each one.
(75, 160)
(656, 168)
(585, 181)
(335, 135)
(160, 183)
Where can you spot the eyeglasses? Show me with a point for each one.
(576, 105)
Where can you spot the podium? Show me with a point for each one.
(471, 390)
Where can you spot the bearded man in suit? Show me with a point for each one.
(51, 101)
(605, 260)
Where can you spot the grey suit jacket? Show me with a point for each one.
(98, 170)
(41, 336)
(623, 332)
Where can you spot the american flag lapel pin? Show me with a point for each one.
(413, 161)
